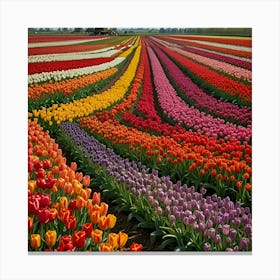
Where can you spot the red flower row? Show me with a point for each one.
(50, 66)
(58, 38)
(222, 83)
(65, 49)
(236, 42)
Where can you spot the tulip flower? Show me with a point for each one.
(122, 239)
(112, 220)
(103, 208)
(94, 217)
(86, 180)
(104, 222)
(135, 247)
(87, 228)
(106, 247)
(65, 243)
(63, 203)
(35, 241)
(44, 215)
(30, 223)
(96, 236)
(71, 222)
(113, 239)
(79, 238)
(64, 215)
(96, 198)
(50, 238)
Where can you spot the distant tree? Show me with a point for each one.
(161, 30)
(78, 30)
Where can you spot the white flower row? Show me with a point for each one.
(227, 46)
(62, 43)
(72, 73)
(72, 56)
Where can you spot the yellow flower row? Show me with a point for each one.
(86, 106)
(128, 51)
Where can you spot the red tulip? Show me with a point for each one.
(87, 228)
(44, 215)
(79, 238)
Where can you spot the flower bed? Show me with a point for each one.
(62, 214)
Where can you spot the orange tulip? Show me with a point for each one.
(86, 181)
(96, 198)
(50, 237)
(113, 239)
(96, 236)
(122, 239)
(106, 247)
(94, 217)
(80, 202)
(63, 203)
(112, 220)
(103, 208)
(35, 241)
(104, 223)
(30, 223)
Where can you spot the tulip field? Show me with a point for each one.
(158, 128)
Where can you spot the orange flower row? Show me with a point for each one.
(68, 86)
(163, 147)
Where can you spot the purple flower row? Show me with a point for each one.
(225, 225)
(173, 106)
(199, 97)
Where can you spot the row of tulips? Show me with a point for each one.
(67, 87)
(57, 38)
(66, 49)
(104, 52)
(72, 73)
(231, 41)
(217, 65)
(182, 113)
(220, 57)
(199, 98)
(65, 65)
(246, 54)
(86, 106)
(192, 218)
(216, 44)
(223, 83)
(63, 43)
(62, 215)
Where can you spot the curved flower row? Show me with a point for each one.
(132, 46)
(51, 66)
(227, 59)
(225, 84)
(218, 65)
(68, 86)
(213, 48)
(220, 223)
(204, 162)
(56, 38)
(62, 215)
(63, 43)
(72, 73)
(85, 106)
(182, 113)
(199, 97)
(232, 41)
(217, 44)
